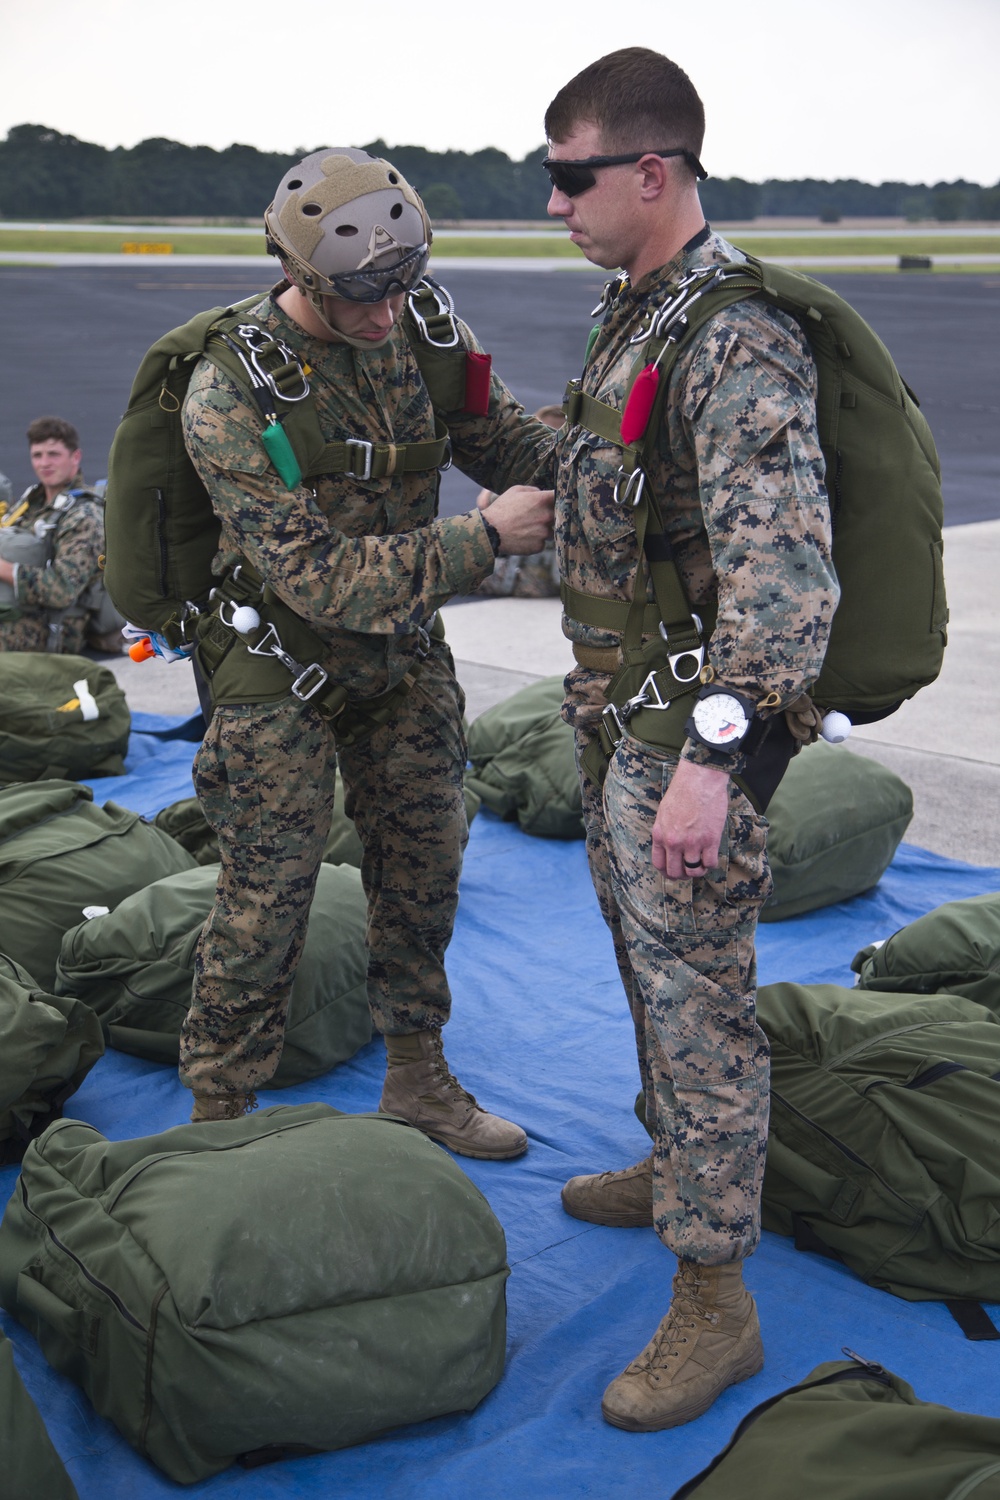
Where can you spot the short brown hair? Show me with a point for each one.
(53, 430)
(638, 99)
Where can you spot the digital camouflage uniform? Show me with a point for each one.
(366, 564)
(739, 477)
(77, 542)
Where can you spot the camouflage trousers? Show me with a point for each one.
(685, 951)
(265, 777)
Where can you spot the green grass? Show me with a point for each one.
(925, 243)
(555, 245)
(182, 242)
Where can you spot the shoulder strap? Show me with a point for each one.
(270, 373)
(691, 302)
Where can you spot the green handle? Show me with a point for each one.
(282, 455)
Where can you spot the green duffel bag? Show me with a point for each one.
(522, 762)
(853, 1431)
(185, 821)
(954, 949)
(48, 1045)
(294, 1281)
(64, 717)
(882, 1143)
(59, 854)
(30, 1466)
(135, 967)
(836, 821)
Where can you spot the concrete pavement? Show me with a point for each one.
(945, 743)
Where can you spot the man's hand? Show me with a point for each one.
(690, 820)
(6, 571)
(523, 518)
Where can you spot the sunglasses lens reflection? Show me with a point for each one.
(569, 179)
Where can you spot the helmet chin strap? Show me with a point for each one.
(316, 303)
(315, 300)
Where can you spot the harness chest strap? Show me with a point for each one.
(359, 457)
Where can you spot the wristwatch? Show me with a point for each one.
(720, 719)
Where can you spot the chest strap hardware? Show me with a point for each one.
(366, 449)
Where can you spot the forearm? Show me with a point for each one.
(381, 585)
(73, 567)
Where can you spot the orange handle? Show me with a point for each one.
(142, 650)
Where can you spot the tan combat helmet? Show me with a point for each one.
(346, 224)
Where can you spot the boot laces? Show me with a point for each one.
(621, 1172)
(684, 1317)
(444, 1074)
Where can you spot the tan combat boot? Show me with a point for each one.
(420, 1089)
(622, 1199)
(222, 1106)
(709, 1339)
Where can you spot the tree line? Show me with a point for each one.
(47, 175)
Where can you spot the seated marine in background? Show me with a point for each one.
(51, 543)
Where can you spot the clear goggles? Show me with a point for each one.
(574, 177)
(374, 285)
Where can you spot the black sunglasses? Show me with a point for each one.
(573, 177)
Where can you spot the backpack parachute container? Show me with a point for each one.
(884, 482)
(162, 533)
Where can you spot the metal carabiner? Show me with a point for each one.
(445, 309)
(247, 332)
(636, 480)
(663, 319)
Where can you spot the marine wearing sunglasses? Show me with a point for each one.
(575, 177)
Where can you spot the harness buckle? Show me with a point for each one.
(367, 449)
(635, 481)
(696, 654)
(312, 687)
(611, 716)
(443, 468)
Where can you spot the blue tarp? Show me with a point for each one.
(540, 1032)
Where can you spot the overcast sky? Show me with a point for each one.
(875, 89)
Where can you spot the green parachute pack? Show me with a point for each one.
(289, 1283)
(852, 1430)
(884, 482)
(881, 1146)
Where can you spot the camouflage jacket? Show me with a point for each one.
(739, 476)
(364, 562)
(74, 524)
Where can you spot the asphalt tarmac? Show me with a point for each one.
(73, 338)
